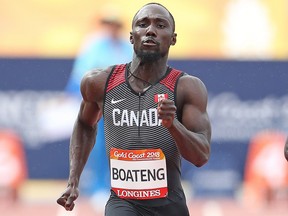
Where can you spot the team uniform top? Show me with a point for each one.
(131, 123)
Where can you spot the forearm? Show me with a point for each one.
(194, 147)
(81, 144)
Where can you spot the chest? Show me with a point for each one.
(124, 103)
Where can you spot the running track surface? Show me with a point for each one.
(197, 208)
(39, 198)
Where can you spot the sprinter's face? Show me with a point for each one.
(152, 32)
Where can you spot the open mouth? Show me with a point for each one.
(150, 42)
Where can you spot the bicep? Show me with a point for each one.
(194, 107)
(89, 113)
(196, 120)
(92, 90)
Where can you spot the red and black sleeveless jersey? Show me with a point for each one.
(131, 122)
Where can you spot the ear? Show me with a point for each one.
(173, 39)
(131, 38)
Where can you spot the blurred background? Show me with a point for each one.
(238, 48)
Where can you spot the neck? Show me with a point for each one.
(142, 76)
(149, 71)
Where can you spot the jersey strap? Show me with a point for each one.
(171, 79)
(117, 77)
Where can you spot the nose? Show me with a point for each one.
(151, 31)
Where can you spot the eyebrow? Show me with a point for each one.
(151, 3)
(158, 19)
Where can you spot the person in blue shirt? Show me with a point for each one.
(113, 48)
(107, 43)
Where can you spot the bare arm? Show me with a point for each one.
(193, 135)
(84, 133)
(82, 141)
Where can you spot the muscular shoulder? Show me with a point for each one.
(93, 84)
(192, 83)
(192, 90)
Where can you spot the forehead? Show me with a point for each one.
(153, 11)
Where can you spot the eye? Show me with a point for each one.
(141, 24)
(161, 25)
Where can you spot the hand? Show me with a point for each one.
(166, 112)
(68, 197)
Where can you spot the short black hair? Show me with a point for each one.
(173, 20)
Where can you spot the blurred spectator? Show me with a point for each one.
(13, 169)
(102, 48)
(248, 41)
(266, 172)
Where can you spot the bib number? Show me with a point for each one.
(138, 174)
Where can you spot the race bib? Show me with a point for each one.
(138, 174)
